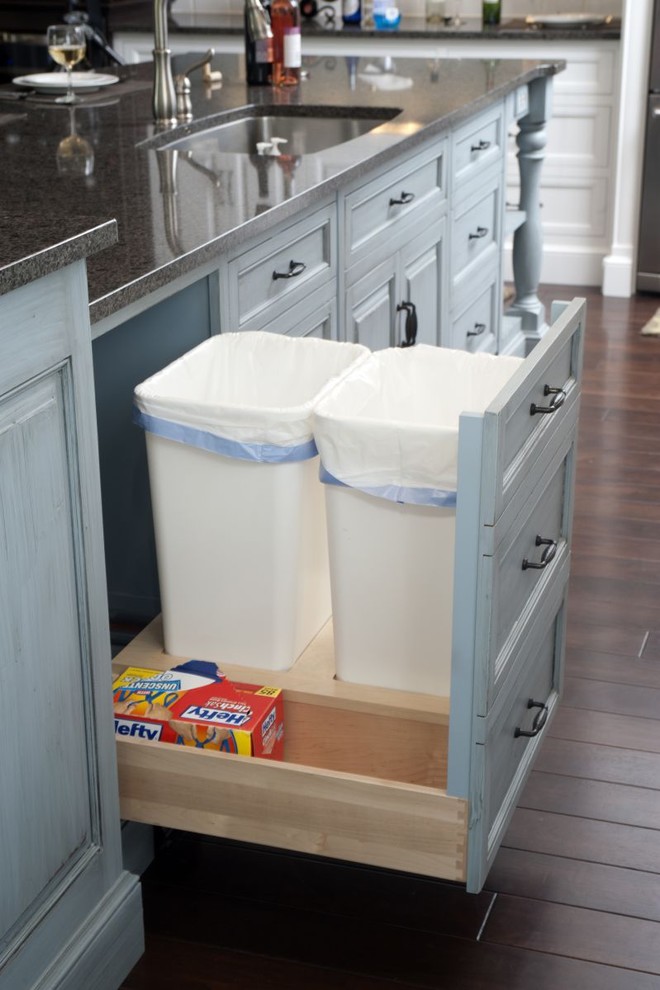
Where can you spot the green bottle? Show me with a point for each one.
(491, 10)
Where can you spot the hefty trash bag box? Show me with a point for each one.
(195, 705)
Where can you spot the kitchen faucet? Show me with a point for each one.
(164, 98)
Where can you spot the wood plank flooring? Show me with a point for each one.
(573, 899)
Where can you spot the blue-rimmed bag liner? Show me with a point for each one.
(246, 395)
(390, 426)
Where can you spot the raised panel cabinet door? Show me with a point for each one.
(422, 271)
(47, 740)
(370, 307)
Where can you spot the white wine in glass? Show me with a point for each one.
(66, 46)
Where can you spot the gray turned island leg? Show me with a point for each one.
(528, 238)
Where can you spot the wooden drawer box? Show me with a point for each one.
(475, 328)
(476, 234)
(406, 781)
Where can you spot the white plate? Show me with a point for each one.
(55, 82)
(567, 20)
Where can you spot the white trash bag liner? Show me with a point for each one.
(390, 427)
(246, 395)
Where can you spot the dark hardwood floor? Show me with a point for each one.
(573, 899)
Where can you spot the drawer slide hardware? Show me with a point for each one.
(481, 146)
(547, 556)
(410, 329)
(540, 719)
(406, 197)
(295, 268)
(556, 402)
(480, 232)
(478, 330)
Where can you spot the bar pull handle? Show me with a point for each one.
(548, 555)
(411, 323)
(481, 146)
(540, 719)
(479, 328)
(556, 402)
(480, 232)
(406, 197)
(295, 268)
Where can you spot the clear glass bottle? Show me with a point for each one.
(259, 47)
(285, 22)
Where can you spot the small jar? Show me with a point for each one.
(491, 12)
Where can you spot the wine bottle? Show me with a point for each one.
(285, 20)
(259, 47)
(351, 12)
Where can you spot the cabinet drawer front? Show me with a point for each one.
(476, 327)
(397, 199)
(520, 723)
(531, 412)
(532, 546)
(283, 270)
(475, 232)
(477, 146)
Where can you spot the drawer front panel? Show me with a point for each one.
(475, 230)
(521, 721)
(531, 412)
(527, 559)
(476, 327)
(396, 199)
(477, 146)
(275, 275)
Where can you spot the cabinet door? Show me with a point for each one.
(516, 479)
(421, 267)
(66, 906)
(370, 307)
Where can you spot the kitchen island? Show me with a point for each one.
(193, 224)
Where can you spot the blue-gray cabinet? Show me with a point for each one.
(70, 917)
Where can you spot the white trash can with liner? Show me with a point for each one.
(388, 440)
(238, 507)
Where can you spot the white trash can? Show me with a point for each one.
(388, 440)
(238, 508)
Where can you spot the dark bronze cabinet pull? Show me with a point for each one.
(405, 198)
(540, 719)
(481, 232)
(481, 146)
(411, 323)
(295, 268)
(547, 556)
(478, 330)
(556, 402)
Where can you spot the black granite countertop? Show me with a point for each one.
(177, 212)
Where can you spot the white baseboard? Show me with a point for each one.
(565, 266)
(618, 276)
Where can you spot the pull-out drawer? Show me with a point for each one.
(406, 781)
(363, 777)
(400, 198)
(476, 146)
(281, 271)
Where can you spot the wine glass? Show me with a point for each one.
(66, 46)
(74, 155)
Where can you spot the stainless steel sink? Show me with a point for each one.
(299, 134)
